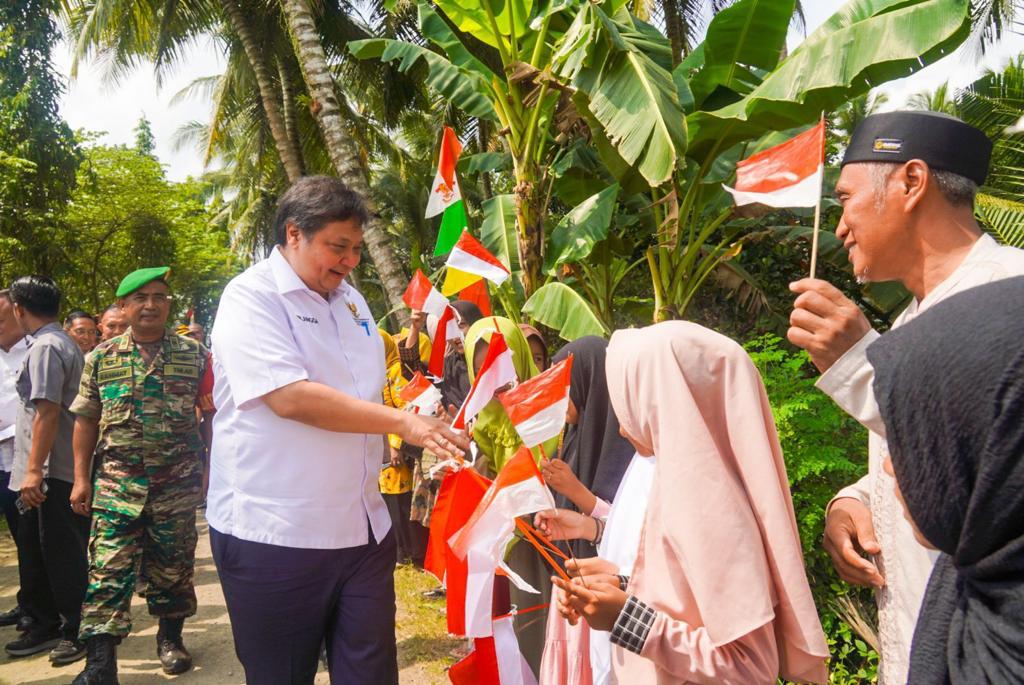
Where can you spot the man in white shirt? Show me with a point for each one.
(907, 188)
(300, 534)
(13, 346)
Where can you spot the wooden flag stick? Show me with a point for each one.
(814, 237)
(817, 211)
(567, 543)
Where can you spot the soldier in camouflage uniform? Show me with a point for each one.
(137, 407)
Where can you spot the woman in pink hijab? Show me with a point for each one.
(718, 592)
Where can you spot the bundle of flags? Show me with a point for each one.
(495, 660)
(481, 542)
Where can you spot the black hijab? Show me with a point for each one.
(950, 387)
(455, 384)
(593, 448)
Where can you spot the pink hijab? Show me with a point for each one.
(720, 515)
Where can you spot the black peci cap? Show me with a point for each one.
(941, 141)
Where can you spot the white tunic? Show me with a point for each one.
(904, 563)
(274, 480)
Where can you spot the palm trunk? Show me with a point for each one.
(675, 30)
(342, 150)
(290, 155)
(291, 119)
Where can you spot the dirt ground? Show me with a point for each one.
(423, 647)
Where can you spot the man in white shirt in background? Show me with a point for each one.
(300, 534)
(907, 188)
(13, 347)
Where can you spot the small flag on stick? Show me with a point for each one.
(447, 329)
(788, 175)
(422, 296)
(419, 392)
(537, 406)
(445, 190)
(468, 263)
(517, 490)
(497, 371)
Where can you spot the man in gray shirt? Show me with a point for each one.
(52, 540)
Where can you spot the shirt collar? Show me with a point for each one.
(288, 281)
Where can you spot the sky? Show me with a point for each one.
(93, 102)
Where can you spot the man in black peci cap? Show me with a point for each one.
(907, 188)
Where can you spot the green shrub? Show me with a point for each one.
(824, 450)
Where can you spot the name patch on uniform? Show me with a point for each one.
(184, 358)
(110, 375)
(181, 370)
(893, 145)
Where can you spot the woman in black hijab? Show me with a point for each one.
(950, 387)
(594, 456)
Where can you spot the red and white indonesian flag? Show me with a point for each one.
(494, 660)
(518, 490)
(497, 371)
(470, 261)
(419, 392)
(787, 175)
(537, 407)
(447, 329)
(445, 190)
(422, 296)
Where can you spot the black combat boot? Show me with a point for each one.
(100, 661)
(169, 647)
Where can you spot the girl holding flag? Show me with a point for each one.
(718, 592)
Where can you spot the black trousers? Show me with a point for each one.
(398, 509)
(7, 499)
(53, 561)
(285, 601)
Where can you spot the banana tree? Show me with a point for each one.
(529, 102)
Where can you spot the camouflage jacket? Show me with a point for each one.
(149, 444)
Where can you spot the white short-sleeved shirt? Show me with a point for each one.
(10, 367)
(275, 480)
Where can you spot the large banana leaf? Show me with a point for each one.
(561, 308)
(586, 225)
(498, 229)
(464, 87)
(485, 161)
(751, 33)
(511, 17)
(628, 92)
(867, 42)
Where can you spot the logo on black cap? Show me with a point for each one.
(892, 145)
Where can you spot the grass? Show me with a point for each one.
(424, 647)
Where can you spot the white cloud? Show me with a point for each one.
(93, 103)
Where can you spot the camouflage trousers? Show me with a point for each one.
(160, 544)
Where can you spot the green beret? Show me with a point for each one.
(139, 278)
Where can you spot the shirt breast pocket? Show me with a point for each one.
(116, 400)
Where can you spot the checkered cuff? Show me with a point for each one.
(633, 625)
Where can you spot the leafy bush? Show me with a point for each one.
(824, 450)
